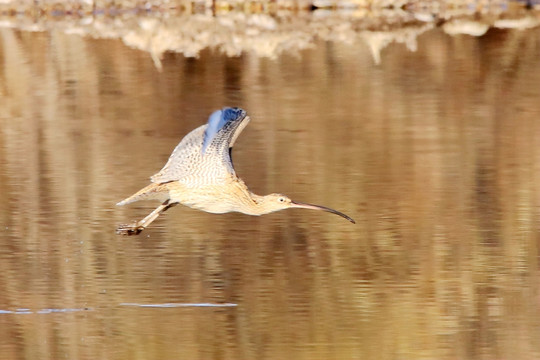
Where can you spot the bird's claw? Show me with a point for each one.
(129, 229)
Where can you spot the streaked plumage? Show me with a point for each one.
(200, 174)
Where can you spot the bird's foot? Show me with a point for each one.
(129, 229)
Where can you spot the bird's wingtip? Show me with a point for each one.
(218, 120)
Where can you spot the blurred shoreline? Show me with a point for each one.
(80, 7)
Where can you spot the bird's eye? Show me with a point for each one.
(281, 199)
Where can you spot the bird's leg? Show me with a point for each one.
(137, 227)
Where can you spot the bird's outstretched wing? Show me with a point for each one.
(203, 155)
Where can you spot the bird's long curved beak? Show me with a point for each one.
(300, 205)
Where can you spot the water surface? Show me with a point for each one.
(434, 152)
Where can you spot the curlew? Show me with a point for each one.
(200, 174)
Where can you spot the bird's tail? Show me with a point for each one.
(151, 192)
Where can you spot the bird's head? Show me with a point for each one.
(276, 202)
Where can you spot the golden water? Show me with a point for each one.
(435, 154)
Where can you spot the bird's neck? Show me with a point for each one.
(251, 203)
(257, 204)
(258, 200)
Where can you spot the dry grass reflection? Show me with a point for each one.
(435, 154)
(267, 31)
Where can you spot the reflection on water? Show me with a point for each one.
(169, 305)
(40, 311)
(434, 153)
(269, 32)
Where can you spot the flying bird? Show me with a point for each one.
(200, 174)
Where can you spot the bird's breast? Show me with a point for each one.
(217, 199)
